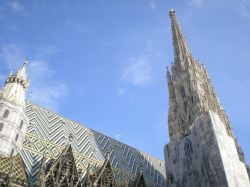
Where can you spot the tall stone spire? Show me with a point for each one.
(202, 144)
(13, 119)
(189, 88)
(181, 49)
(15, 87)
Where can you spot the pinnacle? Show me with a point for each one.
(172, 12)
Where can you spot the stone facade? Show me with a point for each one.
(13, 119)
(198, 125)
(206, 156)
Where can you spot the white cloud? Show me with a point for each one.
(44, 89)
(138, 71)
(48, 95)
(241, 7)
(121, 91)
(153, 5)
(15, 6)
(198, 3)
(12, 55)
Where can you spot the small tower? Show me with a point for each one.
(13, 120)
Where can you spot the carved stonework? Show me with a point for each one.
(61, 172)
(203, 150)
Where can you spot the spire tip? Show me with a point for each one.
(172, 12)
(26, 62)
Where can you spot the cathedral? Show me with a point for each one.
(43, 149)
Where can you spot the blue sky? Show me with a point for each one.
(103, 62)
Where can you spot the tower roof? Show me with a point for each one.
(15, 86)
(20, 77)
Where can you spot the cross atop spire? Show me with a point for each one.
(181, 49)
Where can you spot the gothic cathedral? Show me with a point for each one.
(39, 148)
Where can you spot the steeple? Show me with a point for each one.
(190, 90)
(13, 118)
(181, 49)
(16, 86)
(202, 143)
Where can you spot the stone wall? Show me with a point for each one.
(206, 156)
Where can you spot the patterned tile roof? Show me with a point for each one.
(48, 134)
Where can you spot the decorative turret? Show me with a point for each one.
(13, 120)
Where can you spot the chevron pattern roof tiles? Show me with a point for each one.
(48, 134)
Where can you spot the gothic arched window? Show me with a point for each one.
(17, 136)
(1, 127)
(21, 124)
(6, 114)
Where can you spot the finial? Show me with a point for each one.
(172, 12)
(70, 137)
(26, 62)
(108, 155)
(140, 168)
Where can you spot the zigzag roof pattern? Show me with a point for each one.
(48, 134)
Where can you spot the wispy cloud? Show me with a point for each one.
(138, 71)
(11, 55)
(153, 4)
(121, 91)
(198, 3)
(241, 7)
(44, 90)
(15, 6)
